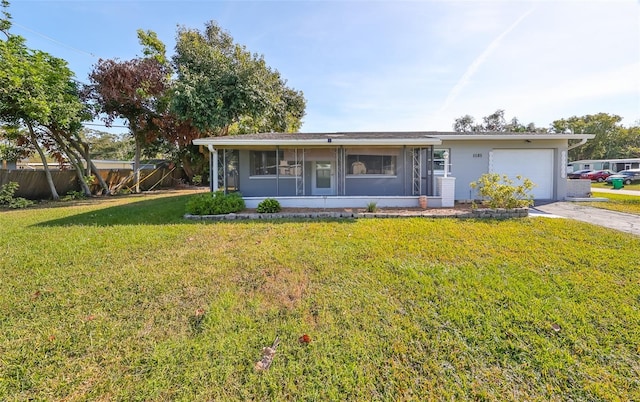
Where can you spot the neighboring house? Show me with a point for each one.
(8, 165)
(393, 169)
(601, 164)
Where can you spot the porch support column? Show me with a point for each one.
(447, 187)
(213, 169)
(429, 166)
(224, 171)
(277, 170)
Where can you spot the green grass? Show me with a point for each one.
(632, 186)
(618, 202)
(99, 298)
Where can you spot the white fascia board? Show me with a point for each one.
(319, 142)
(480, 137)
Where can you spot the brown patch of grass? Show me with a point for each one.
(277, 286)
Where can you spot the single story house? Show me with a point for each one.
(600, 164)
(392, 169)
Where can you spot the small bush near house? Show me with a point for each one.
(498, 191)
(7, 200)
(269, 206)
(215, 203)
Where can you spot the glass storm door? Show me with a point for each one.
(322, 178)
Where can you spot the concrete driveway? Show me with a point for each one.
(610, 219)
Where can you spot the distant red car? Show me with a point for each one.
(597, 175)
(578, 173)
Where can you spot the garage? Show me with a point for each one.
(534, 164)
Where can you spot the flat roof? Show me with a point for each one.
(417, 138)
(337, 139)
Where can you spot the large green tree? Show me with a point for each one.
(221, 88)
(40, 99)
(220, 83)
(37, 91)
(495, 122)
(608, 130)
(629, 142)
(108, 145)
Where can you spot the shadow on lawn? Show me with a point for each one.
(157, 211)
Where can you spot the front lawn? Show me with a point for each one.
(120, 299)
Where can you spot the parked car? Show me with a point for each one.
(627, 176)
(577, 173)
(597, 175)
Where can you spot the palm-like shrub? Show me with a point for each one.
(498, 191)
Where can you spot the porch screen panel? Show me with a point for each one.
(262, 163)
(372, 161)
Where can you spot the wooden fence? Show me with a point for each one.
(33, 183)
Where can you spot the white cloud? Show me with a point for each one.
(475, 65)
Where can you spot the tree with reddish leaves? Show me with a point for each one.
(132, 90)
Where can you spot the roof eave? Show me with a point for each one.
(319, 142)
(453, 137)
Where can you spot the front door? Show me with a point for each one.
(322, 183)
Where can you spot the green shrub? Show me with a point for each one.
(269, 206)
(215, 203)
(372, 207)
(74, 195)
(500, 192)
(7, 199)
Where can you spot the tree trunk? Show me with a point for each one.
(98, 176)
(84, 149)
(47, 172)
(186, 166)
(75, 160)
(136, 165)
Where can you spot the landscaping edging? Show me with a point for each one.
(499, 213)
(480, 213)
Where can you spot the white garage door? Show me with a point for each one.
(534, 164)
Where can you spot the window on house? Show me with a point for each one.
(266, 163)
(438, 159)
(360, 164)
(262, 163)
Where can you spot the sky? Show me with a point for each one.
(386, 65)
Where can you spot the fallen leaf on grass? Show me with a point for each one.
(305, 339)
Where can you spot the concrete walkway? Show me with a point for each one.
(610, 219)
